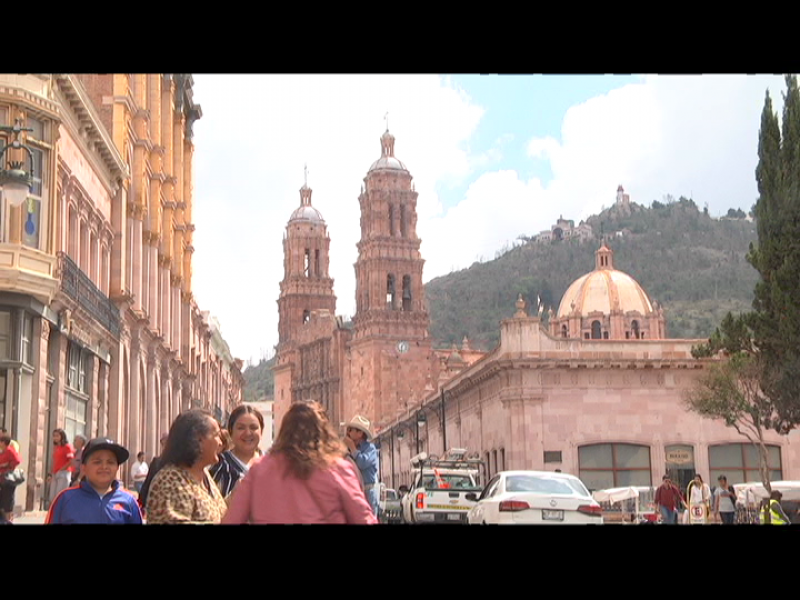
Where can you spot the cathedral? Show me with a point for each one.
(597, 391)
(383, 362)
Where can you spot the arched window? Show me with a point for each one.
(391, 220)
(307, 263)
(603, 466)
(390, 291)
(403, 225)
(406, 292)
(306, 316)
(740, 463)
(635, 330)
(564, 332)
(596, 330)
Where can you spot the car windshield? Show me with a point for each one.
(448, 482)
(545, 485)
(390, 495)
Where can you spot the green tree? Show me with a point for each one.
(776, 319)
(757, 387)
(730, 390)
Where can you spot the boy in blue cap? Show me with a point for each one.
(99, 497)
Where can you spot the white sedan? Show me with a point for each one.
(544, 497)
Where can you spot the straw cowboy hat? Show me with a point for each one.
(362, 424)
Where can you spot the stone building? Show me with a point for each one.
(596, 392)
(609, 410)
(383, 362)
(100, 333)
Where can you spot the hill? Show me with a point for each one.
(692, 264)
(259, 380)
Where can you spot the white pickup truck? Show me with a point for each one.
(439, 488)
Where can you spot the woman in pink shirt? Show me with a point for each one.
(303, 479)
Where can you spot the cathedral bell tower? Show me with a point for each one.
(306, 287)
(390, 349)
(389, 295)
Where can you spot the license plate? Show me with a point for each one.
(453, 517)
(552, 515)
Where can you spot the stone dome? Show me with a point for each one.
(306, 212)
(387, 159)
(604, 290)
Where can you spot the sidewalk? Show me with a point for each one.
(31, 518)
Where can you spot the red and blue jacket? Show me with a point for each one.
(82, 504)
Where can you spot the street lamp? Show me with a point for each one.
(14, 180)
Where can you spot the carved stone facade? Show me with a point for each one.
(385, 364)
(610, 411)
(104, 334)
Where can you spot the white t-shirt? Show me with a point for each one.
(139, 471)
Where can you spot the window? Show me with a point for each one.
(76, 374)
(635, 329)
(27, 336)
(406, 292)
(3, 382)
(5, 335)
(390, 291)
(552, 456)
(596, 330)
(604, 466)
(75, 421)
(740, 463)
(564, 332)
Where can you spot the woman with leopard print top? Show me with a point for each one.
(183, 491)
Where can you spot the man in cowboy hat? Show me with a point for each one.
(365, 455)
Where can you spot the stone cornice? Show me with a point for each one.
(89, 120)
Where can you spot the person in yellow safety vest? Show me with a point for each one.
(776, 516)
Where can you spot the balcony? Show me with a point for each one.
(27, 271)
(77, 286)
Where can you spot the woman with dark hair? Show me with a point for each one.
(183, 491)
(303, 479)
(245, 426)
(63, 453)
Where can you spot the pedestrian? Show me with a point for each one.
(365, 456)
(100, 497)
(9, 475)
(155, 466)
(668, 499)
(139, 472)
(63, 453)
(245, 425)
(79, 442)
(775, 514)
(183, 490)
(303, 479)
(699, 495)
(724, 501)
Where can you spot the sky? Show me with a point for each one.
(493, 157)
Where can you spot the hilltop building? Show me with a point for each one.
(99, 331)
(597, 392)
(564, 229)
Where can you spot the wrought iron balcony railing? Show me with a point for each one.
(77, 285)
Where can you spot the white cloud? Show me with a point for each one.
(249, 168)
(678, 135)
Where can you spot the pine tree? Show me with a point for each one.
(776, 319)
